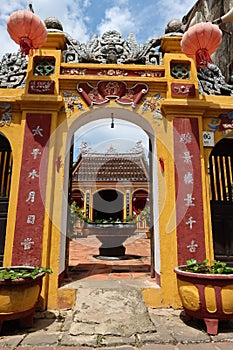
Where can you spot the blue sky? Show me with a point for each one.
(83, 18)
(100, 136)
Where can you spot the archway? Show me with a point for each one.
(108, 205)
(77, 196)
(141, 206)
(127, 115)
(140, 199)
(6, 161)
(221, 182)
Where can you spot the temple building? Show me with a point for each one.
(119, 179)
(182, 101)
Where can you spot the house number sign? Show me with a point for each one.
(208, 138)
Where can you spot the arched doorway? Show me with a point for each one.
(5, 182)
(140, 199)
(140, 122)
(77, 196)
(108, 205)
(221, 183)
(141, 206)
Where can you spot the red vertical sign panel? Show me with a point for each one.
(29, 225)
(189, 204)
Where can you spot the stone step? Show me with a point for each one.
(110, 313)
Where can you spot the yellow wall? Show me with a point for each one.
(202, 107)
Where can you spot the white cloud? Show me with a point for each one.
(71, 13)
(178, 9)
(86, 3)
(121, 2)
(7, 44)
(117, 18)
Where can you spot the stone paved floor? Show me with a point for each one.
(84, 262)
(51, 331)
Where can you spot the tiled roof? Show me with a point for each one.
(115, 167)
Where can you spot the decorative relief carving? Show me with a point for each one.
(41, 87)
(101, 93)
(152, 74)
(180, 70)
(153, 104)
(6, 114)
(74, 71)
(112, 72)
(44, 66)
(212, 81)
(13, 70)
(223, 122)
(111, 48)
(183, 90)
(71, 100)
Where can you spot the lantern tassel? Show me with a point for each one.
(202, 58)
(25, 45)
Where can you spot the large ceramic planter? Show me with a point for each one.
(206, 296)
(18, 299)
(112, 237)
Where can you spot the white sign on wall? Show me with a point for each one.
(208, 138)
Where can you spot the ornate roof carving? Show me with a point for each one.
(212, 81)
(112, 48)
(13, 70)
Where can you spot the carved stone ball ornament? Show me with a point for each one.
(53, 23)
(174, 26)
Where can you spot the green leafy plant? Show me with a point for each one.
(13, 273)
(131, 218)
(110, 221)
(81, 214)
(77, 212)
(145, 215)
(217, 267)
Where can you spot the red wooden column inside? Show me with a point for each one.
(27, 246)
(188, 182)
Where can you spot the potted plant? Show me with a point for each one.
(145, 215)
(206, 291)
(20, 288)
(77, 218)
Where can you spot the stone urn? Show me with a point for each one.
(112, 236)
(206, 296)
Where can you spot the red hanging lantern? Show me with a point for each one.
(27, 30)
(200, 41)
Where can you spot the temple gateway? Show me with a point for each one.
(185, 108)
